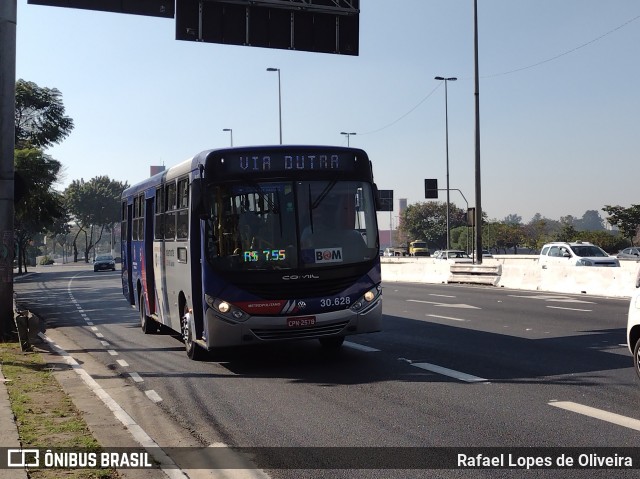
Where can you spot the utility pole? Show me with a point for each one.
(478, 218)
(8, 18)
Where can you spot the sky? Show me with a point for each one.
(558, 92)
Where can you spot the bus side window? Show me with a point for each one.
(183, 209)
(170, 213)
(159, 216)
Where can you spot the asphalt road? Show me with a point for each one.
(456, 366)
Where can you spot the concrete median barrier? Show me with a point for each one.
(517, 272)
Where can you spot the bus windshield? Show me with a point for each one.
(278, 225)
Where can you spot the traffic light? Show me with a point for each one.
(431, 189)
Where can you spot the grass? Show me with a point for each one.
(45, 415)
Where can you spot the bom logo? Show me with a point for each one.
(331, 255)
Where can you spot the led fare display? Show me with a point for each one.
(265, 255)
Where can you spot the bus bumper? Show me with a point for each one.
(221, 332)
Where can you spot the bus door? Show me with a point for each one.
(148, 275)
(159, 257)
(127, 272)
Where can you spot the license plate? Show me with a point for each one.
(301, 322)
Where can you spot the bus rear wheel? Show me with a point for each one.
(148, 325)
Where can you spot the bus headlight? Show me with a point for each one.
(225, 309)
(367, 299)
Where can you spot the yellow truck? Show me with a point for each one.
(418, 248)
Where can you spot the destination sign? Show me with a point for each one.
(279, 162)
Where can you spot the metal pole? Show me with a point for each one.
(230, 130)
(347, 134)
(478, 221)
(280, 105)
(279, 99)
(446, 122)
(8, 20)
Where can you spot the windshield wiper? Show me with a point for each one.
(322, 194)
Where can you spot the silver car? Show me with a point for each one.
(629, 253)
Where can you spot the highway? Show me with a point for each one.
(455, 366)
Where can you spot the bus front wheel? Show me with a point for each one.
(194, 351)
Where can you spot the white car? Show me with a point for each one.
(454, 256)
(579, 253)
(633, 326)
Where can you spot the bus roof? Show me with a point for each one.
(206, 156)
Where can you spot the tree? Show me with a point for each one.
(39, 116)
(626, 219)
(507, 235)
(591, 221)
(512, 219)
(540, 230)
(428, 221)
(94, 204)
(41, 205)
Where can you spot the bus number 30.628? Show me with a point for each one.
(340, 301)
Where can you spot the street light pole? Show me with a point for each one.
(279, 99)
(347, 135)
(446, 121)
(230, 130)
(478, 218)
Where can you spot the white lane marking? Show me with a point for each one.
(551, 298)
(99, 335)
(122, 363)
(468, 378)
(442, 295)
(151, 394)
(89, 323)
(112, 352)
(105, 344)
(444, 305)
(571, 309)
(167, 465)
(607, 416)
(446, 317)
(360, 347)
(136, 377)
(94, 328)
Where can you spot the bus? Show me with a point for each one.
(253, 245)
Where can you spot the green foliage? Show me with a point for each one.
(95, 204)
(610, 242)
(428, 221)
(626, 219)
(46, 260)
(39, 116)
(41, 205)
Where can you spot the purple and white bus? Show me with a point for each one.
(249, 245)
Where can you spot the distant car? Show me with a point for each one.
(633, 326)
(629, 253)
(578, 253)
(486, 254)
(455, 256)
(104, 262)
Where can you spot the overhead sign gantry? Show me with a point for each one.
(325, 26)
